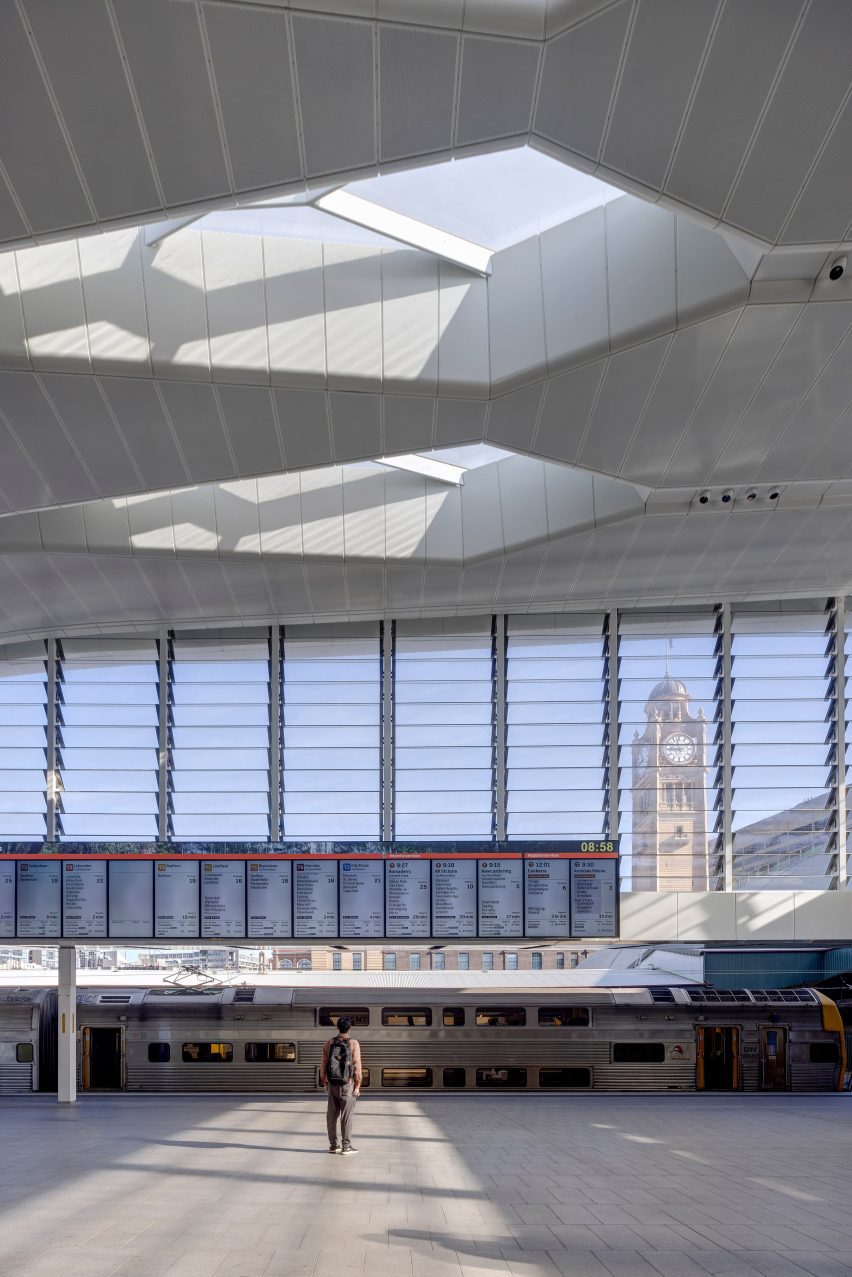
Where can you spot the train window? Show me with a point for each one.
(406, 1017)
(328, 1016)
(565, 1077)
(365, 1078)
(208, 1052)
(453, 1016)
(406, 1077)
(454, 1077)
(500, 1017)
(24, 1052)
(159, 1052)
(638, 1052)
(501, 1077)
(825, 1053)
(564, 1017)
(270, 1052)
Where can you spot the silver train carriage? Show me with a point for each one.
(269, 1038)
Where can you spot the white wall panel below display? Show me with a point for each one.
(704, 916)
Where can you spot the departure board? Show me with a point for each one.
(7, 899)
(131, 899)
(270, 901)
(39, 899)
(408, 882)
(345, 891)
(547, 895)
(453, 897)
(315, 898)
(362, 898)
(223, 898)
(84, 899)
(594, 889)
(176, 900)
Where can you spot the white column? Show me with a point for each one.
(67, 1061)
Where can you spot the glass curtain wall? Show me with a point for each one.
(669, 749)
(331, 734)
(556, 727)
(23, 742)
(784, 748)
(107, 739)
(444, 725)
(219, 780)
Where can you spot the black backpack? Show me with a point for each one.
(340, 1068)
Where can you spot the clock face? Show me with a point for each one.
(679, 748)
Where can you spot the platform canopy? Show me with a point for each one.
(353, 308)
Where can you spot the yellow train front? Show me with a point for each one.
(430, 1037)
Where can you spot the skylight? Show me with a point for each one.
(409, 230)
(447, 465)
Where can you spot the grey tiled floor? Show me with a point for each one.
(444, 1186)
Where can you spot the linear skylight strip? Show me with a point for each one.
(442, 471)
(407, 230)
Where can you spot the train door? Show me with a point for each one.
(103, 1059)
(718, 1057)
(773, 1058)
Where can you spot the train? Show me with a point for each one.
(477, 1033)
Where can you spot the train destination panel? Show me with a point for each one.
(176, 900)
(131, 899)
(547, 894)
(352, 891)
(7, 899)
(39, 899)
(84, 899)
(223, 898)
(408, 890)
(362, 898)
(315, 898)
(453, 897)
(270, 901)
(594, 886)
(501, 897)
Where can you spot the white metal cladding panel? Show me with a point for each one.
(577, 79)
(417, 71)
(823, 208)
(574, 287)
(295, 310)
(251, 62)
(114, 297)
(336, 90)
(176, 305)
(624, 392)
(235, 294)
(81, 407)
(195, 419)
(169, 69)
(251, 429)
(85, 70)
(641, 282)
(497, 83)
(146, 431)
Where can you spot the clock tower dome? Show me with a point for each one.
(670, 794)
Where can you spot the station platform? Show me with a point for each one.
(443, 1186)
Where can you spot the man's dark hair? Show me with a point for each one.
(344, 1024)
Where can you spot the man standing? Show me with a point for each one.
(340, 1074)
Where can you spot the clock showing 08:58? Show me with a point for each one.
(679, 748)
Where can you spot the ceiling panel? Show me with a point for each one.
(30, 416)
(81, 407)
(417, 70)
(170, 76)
(512, 418)
(305, 427)
(250, 425)
(496, 94)
(574, 289)
(629, 380)
(337, 94)
(194, 415)
(408, 423)
(137, 407)
(568, 402)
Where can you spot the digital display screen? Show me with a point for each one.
(315, 898)
(84, 899)
(270, 903)
(453, 897)
(362, 898)
(407, 893)
(176, 900)
(547, 895)
(39, 899)
(501, 898)
(223, 898)
(131, 899)
(593, 897)
(7, 899)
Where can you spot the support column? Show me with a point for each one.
(727, 750)
(66, 1091)
(840, 737)
(500, 726)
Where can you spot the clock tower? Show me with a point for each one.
(669, 794)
